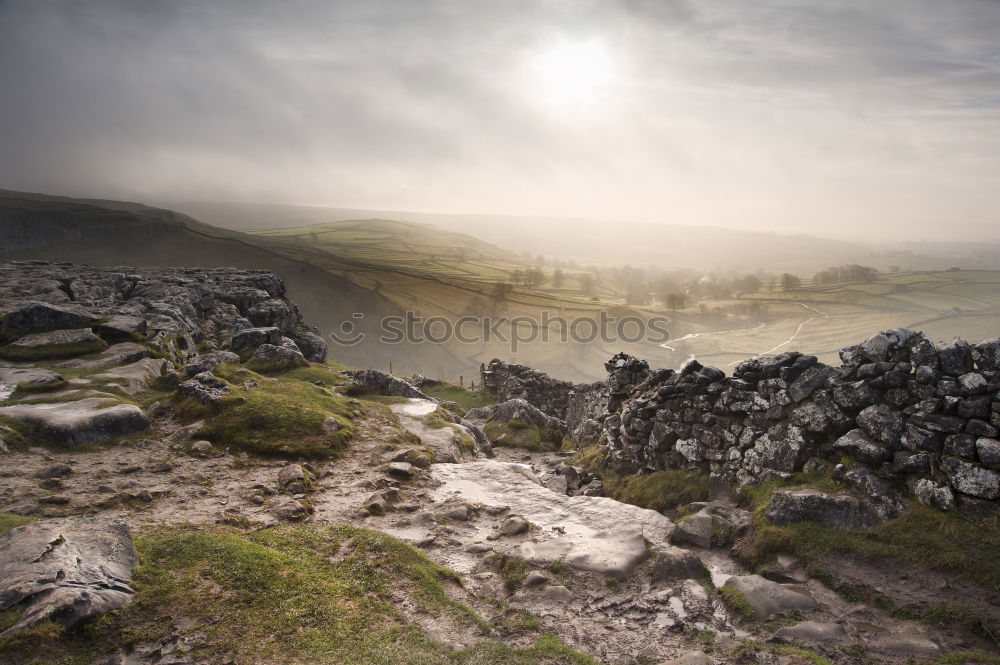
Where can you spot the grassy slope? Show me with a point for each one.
(291, 594)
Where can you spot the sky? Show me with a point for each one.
(875, 119)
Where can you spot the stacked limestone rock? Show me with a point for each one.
(137, 324)
(186, 307)
(902, 409)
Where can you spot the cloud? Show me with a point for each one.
(785, 115)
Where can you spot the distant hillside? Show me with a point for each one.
(619, 243)
(108, 233)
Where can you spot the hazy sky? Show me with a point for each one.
(880, 118)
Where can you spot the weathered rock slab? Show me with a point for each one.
(90, 420)
(69, 570)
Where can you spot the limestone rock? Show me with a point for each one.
(813, 633)
(841, 511)
(54, 344)
(278, 356)
(856, 445)
(205, 388)
(69, 570)
(43, 316)
(90, 420)
(767, 598)
(965, 477)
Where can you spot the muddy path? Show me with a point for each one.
(600, 574)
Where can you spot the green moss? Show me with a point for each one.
(439, 419)
(746, 651)
(307, 593)
(519, 434)
(519, 621)
(52, 351)
(465, 398)
(947, 542)
(661, 490)
(973, 657)
(277, 417)
(315, 373)
(736, 601)
(9, 521)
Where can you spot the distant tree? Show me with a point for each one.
(790, 282)
(747, 284)
(894, 269)
(557, 278)
(537, 278)
(501, 290)
(540, 260)
(516, 277)
(676, 301)
(588, 285)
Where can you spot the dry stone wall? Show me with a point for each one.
(900, 411)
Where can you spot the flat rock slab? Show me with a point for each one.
(43, 315)
(33, 377)
(136, 374)
(767, 598)
(613, 552)
(814, 633)
(90, 420)
(116, 354)
(595, 533)
(69, 570)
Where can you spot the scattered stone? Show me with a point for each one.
(54, 471)
(514, 526)
(400, 469)
(535, 578)
(331, 425)
(287, 508)
(201, 448)
(55, 500)
(457, 513)
(290, 474)
(695, 529)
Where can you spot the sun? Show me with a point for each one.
(573, 75)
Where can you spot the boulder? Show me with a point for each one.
(90, 420)
(43, 316)
(384, 384)
(903, 645)
(68, 570)
(518, 409)
(275, 357)
(767, 599)
(695, 529)
(207, 362)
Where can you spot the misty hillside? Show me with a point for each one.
(614, 242)
(110, 233)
